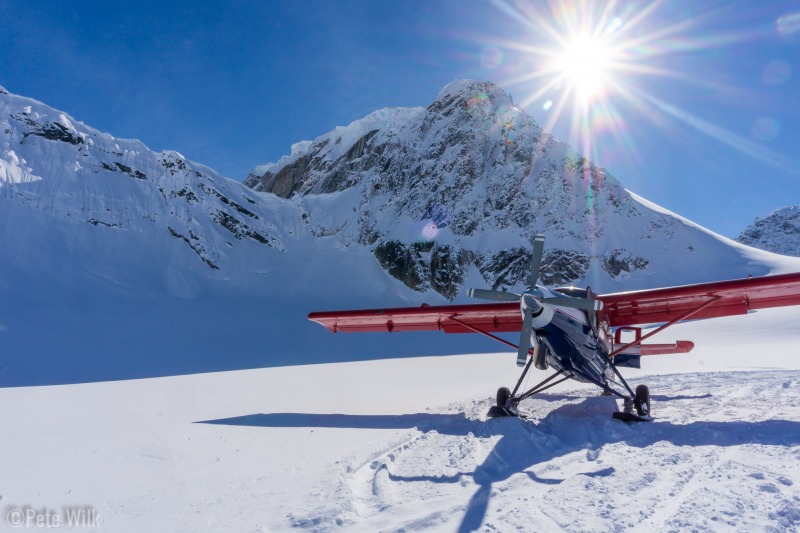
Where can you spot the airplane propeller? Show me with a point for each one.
(534, 301)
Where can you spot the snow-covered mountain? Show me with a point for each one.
(116, 209)
(778, 232)
(117, 261)
(462, 186)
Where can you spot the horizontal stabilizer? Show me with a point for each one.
(656, 349)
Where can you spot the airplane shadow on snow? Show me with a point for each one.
(522, 445)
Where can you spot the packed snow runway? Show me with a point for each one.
(715, 461)
(404, 444)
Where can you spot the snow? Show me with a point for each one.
(13, 169)
(170, 396)
(403, 444)
(342, 137)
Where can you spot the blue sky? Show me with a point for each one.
(699, 109)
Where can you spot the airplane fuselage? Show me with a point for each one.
(573, 347)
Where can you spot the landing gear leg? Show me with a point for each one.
(639, 400)
(507, 401)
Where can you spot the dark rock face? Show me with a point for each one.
(620, 261)
(425, 266)
(512, 267)
(406, 263)
(57, 132)
(53, 131)
(331, 175)
(125, 169)
(505, 269)
(563, 267)
(448, 268)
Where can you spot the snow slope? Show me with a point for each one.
(403, 445)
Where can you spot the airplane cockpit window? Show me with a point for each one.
(575, 292)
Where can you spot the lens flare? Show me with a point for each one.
(789, 24)
(508, 119)
(776, 72)
(585, 63)
(766, 129)
(436, 217)
(479, 104)
(491, 57)
(593, 67)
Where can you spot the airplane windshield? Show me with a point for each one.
(575, 292)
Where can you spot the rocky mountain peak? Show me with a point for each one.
(472, 97)
(467, 115)
(778, 232)
(462, 186)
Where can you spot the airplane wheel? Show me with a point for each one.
(641, 400)
(503, 394)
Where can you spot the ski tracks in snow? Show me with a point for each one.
(722, 455)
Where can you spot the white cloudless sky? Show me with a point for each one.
(699, 111)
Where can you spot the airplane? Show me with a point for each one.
(576, 332)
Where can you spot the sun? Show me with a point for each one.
(585, 63)
(591, 70)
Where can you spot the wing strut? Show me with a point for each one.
(684, 316)
(478, 330)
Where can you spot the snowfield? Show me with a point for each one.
(573, 468)
(404, 445)
(157, 372)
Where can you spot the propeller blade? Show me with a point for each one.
(498, 296)
(585, 304)
(525, 338)
(536, 259)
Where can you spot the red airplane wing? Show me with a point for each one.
(690, 302)
(707, 300)
(494, 317)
